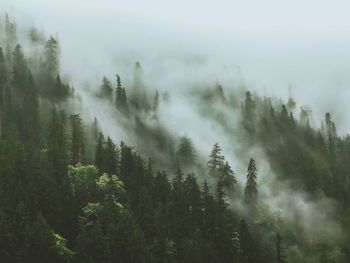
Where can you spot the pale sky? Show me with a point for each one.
(275, 43)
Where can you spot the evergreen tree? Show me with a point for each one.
(51, 56)
(251, 191)
(185, 153)
(121, 98)
(216, 160)
(110, 158)
(61, 90)
(156, 101)
(77, 139)
(284, 115)
(19, 70)
(249, 113)
(106, 90)
(227, 176)
(100, 153)
(57, 144)
(221, 195)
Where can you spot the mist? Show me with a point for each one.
(186, 49)
(270, 45)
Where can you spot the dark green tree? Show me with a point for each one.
(216, 161)
(52, 56)
(106, 90)
(186, 154)
(77, 139)
(250, 190)
(121, 100)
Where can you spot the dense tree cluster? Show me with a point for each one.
(70, 194)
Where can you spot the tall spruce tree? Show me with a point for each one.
(121, 100)
(186, 155)
(251, 191)
(216, 161)
(52, 56)
(106, 90)
(77, 140)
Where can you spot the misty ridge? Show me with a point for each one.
(147, 165)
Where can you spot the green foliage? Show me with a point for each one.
(251, 191)
(122, 209)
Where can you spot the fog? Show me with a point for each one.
(274, 48)
(271, 45)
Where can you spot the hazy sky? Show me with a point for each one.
(275, 43)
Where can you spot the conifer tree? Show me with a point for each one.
(110, 157)
(57, 144)
(61, 90)
(121, 98)
(249, 113)
(221, 195)
(227, 176)
(284, 115)
(186, 155)
(51, 56)
(106, 90)
(19, 70)
(77, 140)
(99, 153)
(156, 101)
(251, 191)
(216, 161)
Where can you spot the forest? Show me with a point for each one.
(69, 192)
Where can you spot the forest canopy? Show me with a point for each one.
(69, 192)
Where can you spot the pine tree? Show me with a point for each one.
(121, 100)
(52, 56)
(77, 140)
(330, 127)
(249, 106)
(284, 115)
(110, 157)
(186, 155)
(221, 195)
(227, 176)
(106, 90)
(193, 199)
(99, 153)
(156, 101)
(57, 144)
(250, 191)
(216, 161)
(208, 224)
(19, 70)
(61, 90)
